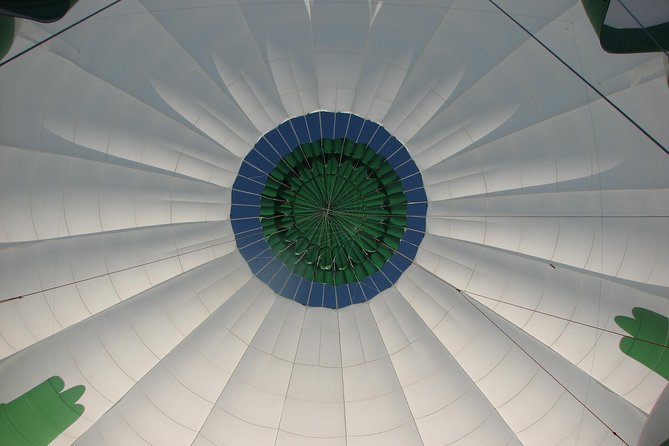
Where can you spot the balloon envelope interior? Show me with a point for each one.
(331, 223)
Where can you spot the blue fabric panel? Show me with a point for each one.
(300, 126)
(408, 249)
(316, 295)
(314, 123)
(288, 134)
(241, 197)
(399, 158)
(302, 294)
(243, 228)
(280, 280)
(380, 281)
(276, 141)
(327, 124)
(417, 209)
(252, 250)
(341, 125)
(263, 147)
(367, 133)
(357, 296)
(242, 183)
(416, 223)
(253, 173)
(329, 297)
(413, 237)
(380, 138)
(400, 262)
(416, 196)
(270, 269)
(391, 271)
(412, 183)
(389, 148)
(406, 169)
(255, 159)
(367, 286)
(354, 127)
(343, 296)
(244, 211)
(291, 286)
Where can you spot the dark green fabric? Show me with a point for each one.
(6, 34)
(631, 40)
(648, 340)
(596, 11)
(40, 10)
(333, 211)
(635, 40)
(40, 415)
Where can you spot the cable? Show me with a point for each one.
(645, 30)
(587, 82)
(470, 301)
(109, 273)
(41, 42)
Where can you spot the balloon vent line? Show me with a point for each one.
(582, 78)
(43, 41)
(121, 270)
(643, 27)
(469, 300)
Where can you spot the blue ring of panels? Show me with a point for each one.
(250, 182)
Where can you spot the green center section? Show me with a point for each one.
(333, 211)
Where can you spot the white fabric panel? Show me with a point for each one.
(27, 269)
(647, 12)
(119, 143)
(117, 199)
(656, 429)
(169, 405)
(526, 285)
(511, 379)
(250, 405)
(447, 406)
(133, 336)
(76, 117)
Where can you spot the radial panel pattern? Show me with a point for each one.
(328, 209)
(211, 234)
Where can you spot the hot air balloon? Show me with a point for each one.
(322, 222)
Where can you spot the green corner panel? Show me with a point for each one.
(665, 443)
(40, 415)
(40, 10)
(649, 339)
(333, 211)
(626, 40)
(7, 28)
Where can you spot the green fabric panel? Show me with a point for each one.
(596, 12)
(7, 29)
(665, 443)
(333, 210)
(631, 40)
(648, 340)
(40, 415)
(634, 40)
(40, 10)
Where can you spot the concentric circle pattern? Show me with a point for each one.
(334, 209)
(328, 209)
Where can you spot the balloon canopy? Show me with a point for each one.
(324, 222)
